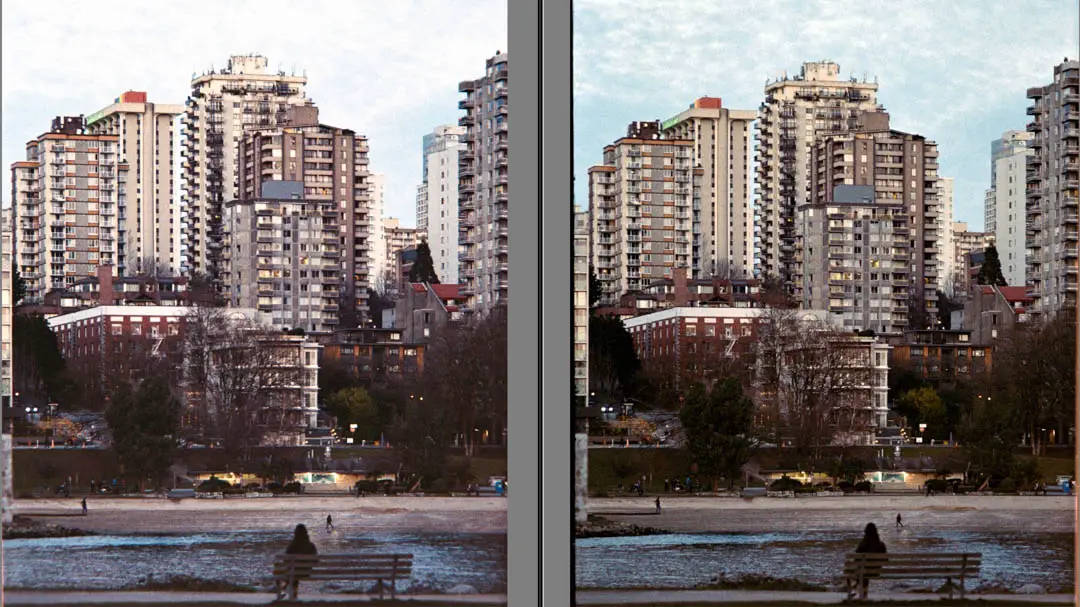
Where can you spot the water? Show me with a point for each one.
(1010, 560)
(440, 561)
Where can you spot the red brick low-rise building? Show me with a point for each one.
(104, 342)
(689, 344)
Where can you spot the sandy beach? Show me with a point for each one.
(147, 515)
(966, 513)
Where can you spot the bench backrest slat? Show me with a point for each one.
(913, 564)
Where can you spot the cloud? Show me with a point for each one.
(386, 69)
(955, 72)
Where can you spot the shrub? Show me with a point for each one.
(937, 485)
(274, 487)
(846, 486)
(1007, 485)
(785, 483)
(293, 487)
(866, 486)
(810, 490)
(213, 485)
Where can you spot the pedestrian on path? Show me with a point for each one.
(658, 505)
(84, 506)
(329, 523)
(899, 521)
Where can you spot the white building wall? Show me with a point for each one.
(947, 255)
(377, 248)
(1011, 215)
(442, 202)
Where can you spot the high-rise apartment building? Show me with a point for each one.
(856, 257)
(1007, 204)
(965, 242)
(581, 303)
(395, 240)
(70, 202)
(891, 255)
(332, 165)
(947, 246)
(146, 140)
(377, 244)
(223, 103)
(440, 207)
(641, 202)
(484, 188)
(283, 257)
(794, 112)
(1012, 143)
(723, 225)
(7, 306)
(7, 385)
(1053, 192)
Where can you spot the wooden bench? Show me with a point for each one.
(383, 568)
(910, 566)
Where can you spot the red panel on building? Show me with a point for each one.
(133, 97)
(708, 103)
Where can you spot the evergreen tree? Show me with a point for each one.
(594, 289)
(18, 291)
(423, 269)
(990, 271)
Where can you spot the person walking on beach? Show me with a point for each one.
(84, 506)
(899, 521)
(870, 544)
(329, 523)
(658, 505)
(300, 544)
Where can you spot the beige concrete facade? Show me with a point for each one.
(222, 105)
(147, 141)
(724, 223)
(581, 302)
(641, 202)
(71, 207)
(1053, 192)
(795, 110)
(855, 264)
(283, 257)
(484, 188)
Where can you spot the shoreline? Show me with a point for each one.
(920, 514)
(146, 516)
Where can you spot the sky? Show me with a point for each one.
(388, 70)
(956, 71)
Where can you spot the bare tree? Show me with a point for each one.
(204, 327)
(813, 382)
(253, 394)
(465, 379)
(148, 265)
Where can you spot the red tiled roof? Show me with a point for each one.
(1013, 294)
(445, 292)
